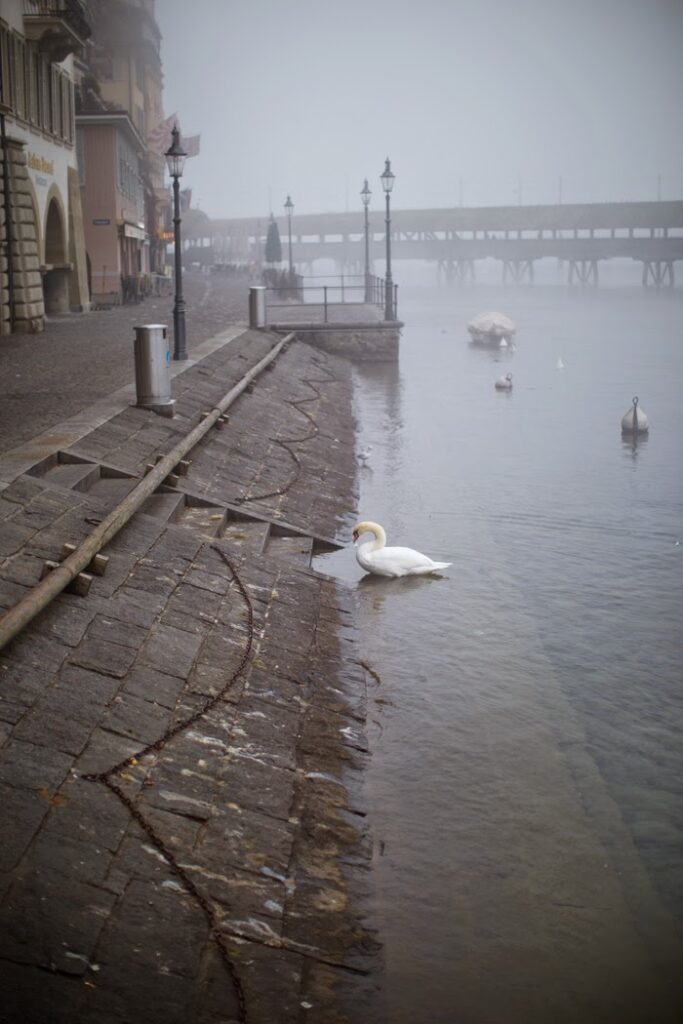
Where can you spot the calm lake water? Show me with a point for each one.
(526, 786)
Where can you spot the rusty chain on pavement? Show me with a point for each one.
(286, 442)
(107, 778)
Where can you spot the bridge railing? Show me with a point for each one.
(344, 290)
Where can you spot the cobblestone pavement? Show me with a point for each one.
(217, 871)
(48, 377)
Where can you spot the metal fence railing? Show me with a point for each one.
(71, 11)
(344, 290)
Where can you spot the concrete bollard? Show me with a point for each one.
(257, 306)
(153, 369)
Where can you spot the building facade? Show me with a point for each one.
(42, 254)
(119, 102)
(113, 200)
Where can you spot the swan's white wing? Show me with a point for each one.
(398, 561)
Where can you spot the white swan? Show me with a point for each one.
(504, 383)
(364, 455)
(375, 557)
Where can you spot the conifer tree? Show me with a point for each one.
(273, 244)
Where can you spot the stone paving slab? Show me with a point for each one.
(260, 799)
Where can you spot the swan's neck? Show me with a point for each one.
(379, 534)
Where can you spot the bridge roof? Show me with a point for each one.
(580, 216)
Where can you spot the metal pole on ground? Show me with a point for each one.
(387, 179)
(365, 196)
(175, 158)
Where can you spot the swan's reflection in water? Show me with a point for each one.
(376, 589)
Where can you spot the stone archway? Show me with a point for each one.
(56, 276)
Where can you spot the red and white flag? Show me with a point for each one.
(160, 138)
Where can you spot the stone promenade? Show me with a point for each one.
(183, 838)
(82, 357)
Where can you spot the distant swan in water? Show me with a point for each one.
(375, 557)
(364, 455)
(504, 383)
(560, 364)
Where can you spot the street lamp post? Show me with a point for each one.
(289, 207)
(387, 179)
(365, 196)
(175, 159)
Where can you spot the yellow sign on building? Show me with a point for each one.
(39, 163)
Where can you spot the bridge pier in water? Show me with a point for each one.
(658, 272)
(456, 270)
(518, 271)
(585, 272)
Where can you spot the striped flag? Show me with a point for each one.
(159, 139)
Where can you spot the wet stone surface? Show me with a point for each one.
(258, 799)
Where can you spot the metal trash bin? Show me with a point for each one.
(257, 306)
(153, 369)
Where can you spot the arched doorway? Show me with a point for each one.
(56, 277)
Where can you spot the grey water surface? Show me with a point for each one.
(525, 789)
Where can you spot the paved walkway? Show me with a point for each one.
(81, 358)
(182, 833)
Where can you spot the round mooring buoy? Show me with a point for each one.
(634, 421)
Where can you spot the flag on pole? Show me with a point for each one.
(160, 138)
(191, 145)
(185, 199)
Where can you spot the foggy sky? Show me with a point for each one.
(309, 96)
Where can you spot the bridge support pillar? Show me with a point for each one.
(584, 271)
(518, 271)
(658, 272)
(456, 270)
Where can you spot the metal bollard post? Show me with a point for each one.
(153, 369)
(257, 306)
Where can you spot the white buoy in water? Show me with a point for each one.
(635, 420)
(504, 383)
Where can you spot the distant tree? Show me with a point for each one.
(273, 244)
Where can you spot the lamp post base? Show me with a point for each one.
(389, 299)
(179, 341)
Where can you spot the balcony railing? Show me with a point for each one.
(70, 12)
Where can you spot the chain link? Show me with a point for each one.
(287, 441)
(108, 780)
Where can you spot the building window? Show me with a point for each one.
(33, 89)
(45, 105)
(80, 157)
(5, 75)
(19, 85)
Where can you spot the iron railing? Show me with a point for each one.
(342, 290)
(70, 11)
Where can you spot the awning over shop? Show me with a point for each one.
(133, 231)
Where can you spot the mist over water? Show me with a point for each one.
(526, 784)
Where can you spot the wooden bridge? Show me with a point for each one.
(455, 239)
